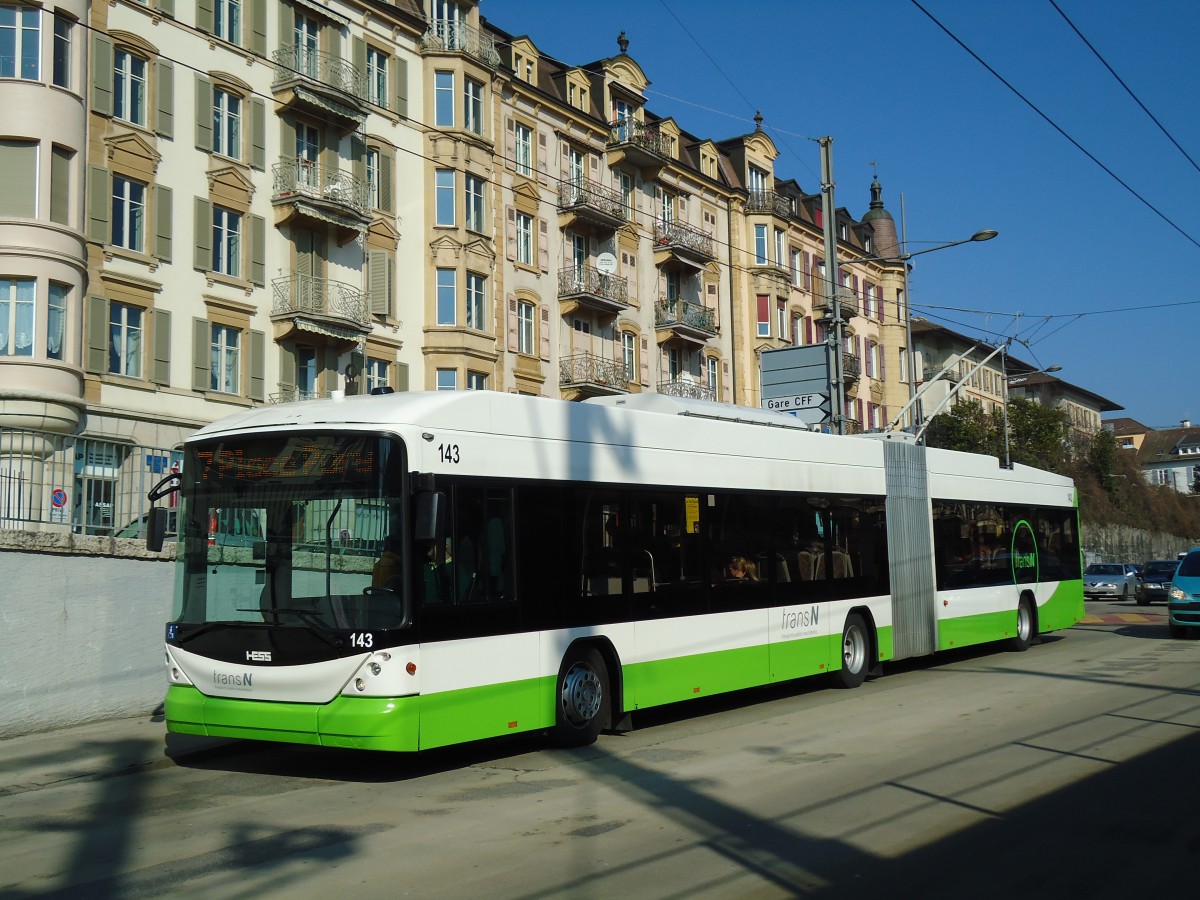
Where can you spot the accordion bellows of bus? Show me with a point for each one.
(413, 570)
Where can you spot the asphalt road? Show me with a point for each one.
(1065, 771)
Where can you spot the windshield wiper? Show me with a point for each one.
(309, 618)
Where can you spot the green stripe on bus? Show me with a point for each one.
(1063, 609)
(488, 711)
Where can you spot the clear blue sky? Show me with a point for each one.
(891, 87)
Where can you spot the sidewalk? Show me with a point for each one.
(32, 762)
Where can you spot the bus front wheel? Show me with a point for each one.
(582, 701)
(856, 645)
(1026, 624)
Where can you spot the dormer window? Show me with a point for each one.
(843, 232)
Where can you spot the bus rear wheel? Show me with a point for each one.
(856, 645)
(582, 700)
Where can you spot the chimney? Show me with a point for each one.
(1185, 423)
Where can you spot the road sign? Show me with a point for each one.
(799, 401)
(58, 498)
(791, 374)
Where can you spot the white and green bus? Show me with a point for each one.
(444, 567)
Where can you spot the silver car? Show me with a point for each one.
(1110, 581)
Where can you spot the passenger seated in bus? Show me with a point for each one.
(740, 569)
(436, 573)
(388, 565)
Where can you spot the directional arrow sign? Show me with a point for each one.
(797, 401)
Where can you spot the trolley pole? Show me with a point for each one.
(833, 336)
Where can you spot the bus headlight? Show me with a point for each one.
(376, 668)
(359, 684)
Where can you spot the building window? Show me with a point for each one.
(63, 28)
(713, 376)
(757, 181)
(444, 197)
(227, 227)
(125, 340)
(626, 193)
(20, 42)
(447, 288)
(474, 203)
(128, 213)
(373, 177)
(523, 149)
(476, 381)
(447, 379)
(306, 373)
(525, 238)
(56, 319)
(17, 297)
(629, 354)
(525, 332)
(443, 99)
(903, 370)
(225, 359)
(376, 372)
(760, 245)
(780, 319)
(764, 315)
(780, 248)
(129, 87)
(306, 38)
(797, 330)
(227, 20)
(227, 118)
(377, 77)
(473, 106)
(476, 293)
(797, 268)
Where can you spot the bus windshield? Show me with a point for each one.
(300, 531)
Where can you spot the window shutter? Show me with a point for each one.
(400, 376)
(882, 363)
(287, 25)
(808, 330)
(358, 56)
(543, 158)
(258, 135)
(544, 331)
(60, 185)
(510, 143)
(202, 227)
(358, 156)
(711, 301)
(102, 75)
(806, 264)
(162, 222)
(725, 388)
(258, 251)
(201, 355)
(258, 365)
(377, 282)
(543, 245)
(96, 360)
(205, 19)
(644, 361)
(564, 158)
(510, 233)
(400, 76)
(387, 165)
(166, 7)
(160, 372)
(99, 204)
(287, 374)
(629, 265)
(204, 114)
(164, 122)
(511, 323)
(287, 138)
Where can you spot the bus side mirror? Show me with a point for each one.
(156, 528)
(430, 521)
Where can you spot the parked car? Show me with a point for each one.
(1110, 581)
(1156, 580)
(1183, 601)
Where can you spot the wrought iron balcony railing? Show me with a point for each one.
(588, 280)
(687, 388)
(680, 312)
(289, 394)
(851, 367)
(677, 235)
(847, 301)
(320, 67)
(445, 37)
(638, 134)
(769, 202)
(585, 194)
(301, 177)
(305, 294)
(583, 369)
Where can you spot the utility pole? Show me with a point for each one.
(833, 335)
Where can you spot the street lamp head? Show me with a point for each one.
(986, 235)
(1052, 369)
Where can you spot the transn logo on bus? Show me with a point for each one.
(258, 656)
(1025, 560)
(241, 681)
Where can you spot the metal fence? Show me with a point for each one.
(84, 485)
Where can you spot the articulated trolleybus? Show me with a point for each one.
(408, 571)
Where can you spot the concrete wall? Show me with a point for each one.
(81, 629)
(1120, 543)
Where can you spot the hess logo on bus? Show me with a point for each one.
(258, 656)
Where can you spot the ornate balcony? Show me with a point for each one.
(287, 394)
(586, 374)
(851, 367)
(769, 202)
(318, 192)
(451, 37)
(637, 144)
(675, 240)
(589, 287)
(592, 203)
(321, 83)
(687, 388)
(848, 303)
(685, 321)
(331, 308)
